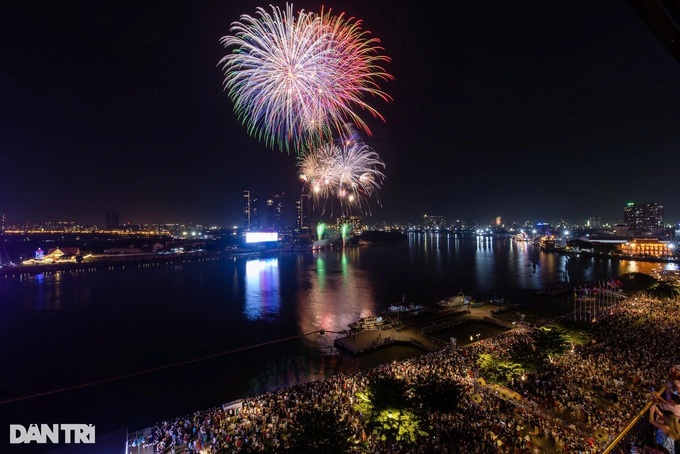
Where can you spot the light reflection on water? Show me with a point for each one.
(263, 296)
(130, 319)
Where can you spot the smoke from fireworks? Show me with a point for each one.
(296, 80)
(347, 172)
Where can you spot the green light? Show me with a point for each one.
(345, 230)
(320, 229)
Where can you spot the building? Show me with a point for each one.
(647, 247)
(354, 221)
(112, 220)
(302, 213)
(434, 222)
(275, 211)
(251, 211)
(644, 218)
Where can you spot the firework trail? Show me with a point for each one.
(295, 80)
(348, 173)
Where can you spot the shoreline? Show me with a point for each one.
(111, 261)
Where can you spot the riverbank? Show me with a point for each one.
(451, 382)
(109, 261)
(418, 329)
(609, 255)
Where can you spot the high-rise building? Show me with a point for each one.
(112, 220)
(431, 222)
(302, 213)
(643, 217)
(251, 213)
(3, 220)
(543, 229)
(275, 211)
(354, 221)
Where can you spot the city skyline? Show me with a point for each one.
(530, 112)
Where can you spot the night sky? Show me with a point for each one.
(532, 111)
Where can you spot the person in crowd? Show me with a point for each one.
(667, 428)
(673, 385)
(672, 405)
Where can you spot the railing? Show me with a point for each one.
(633, 433)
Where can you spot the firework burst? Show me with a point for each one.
(297, 79)
(348, 172)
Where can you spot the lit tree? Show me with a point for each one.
(386, 407)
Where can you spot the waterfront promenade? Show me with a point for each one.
(107, 261)
(577, 402)
(416, 329)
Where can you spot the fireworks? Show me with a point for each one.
(348, 172)
(296, 80)
(320, 230)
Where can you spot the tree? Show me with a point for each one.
(386, 405)
(316, 430)
(499, 370)
(664, 289)
(550, 341)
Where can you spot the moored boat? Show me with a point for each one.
(370, 322)
(393, 309)
(459, 300)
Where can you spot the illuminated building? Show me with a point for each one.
(434, 222)
(275, 211)
(646, 247)
(354, 221)
(302, 213)
(251, 214)
(644, 218)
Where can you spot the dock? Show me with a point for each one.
(416, 330)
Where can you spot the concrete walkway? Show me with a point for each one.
(414, 330)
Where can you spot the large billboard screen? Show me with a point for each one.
(261, 237)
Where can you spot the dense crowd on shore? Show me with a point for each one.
(578, 402)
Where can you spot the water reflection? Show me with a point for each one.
(262, 295)
(340, 292)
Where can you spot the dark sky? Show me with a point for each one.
(528, 110)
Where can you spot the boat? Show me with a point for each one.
(370, 322)
(394, 309)
(522, 237)
(496, 301)
(459, 300)
(547, 244)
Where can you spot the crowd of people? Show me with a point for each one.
(577, 403)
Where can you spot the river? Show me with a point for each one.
(127, 347)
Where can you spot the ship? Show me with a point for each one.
(547, 244)
(459, 300)
(370, 322)
(394, 309)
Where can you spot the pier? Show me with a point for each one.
(416, 330)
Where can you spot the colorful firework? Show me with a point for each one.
(298, 79)
(345, 230)
(320, 230)
(348, 172)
